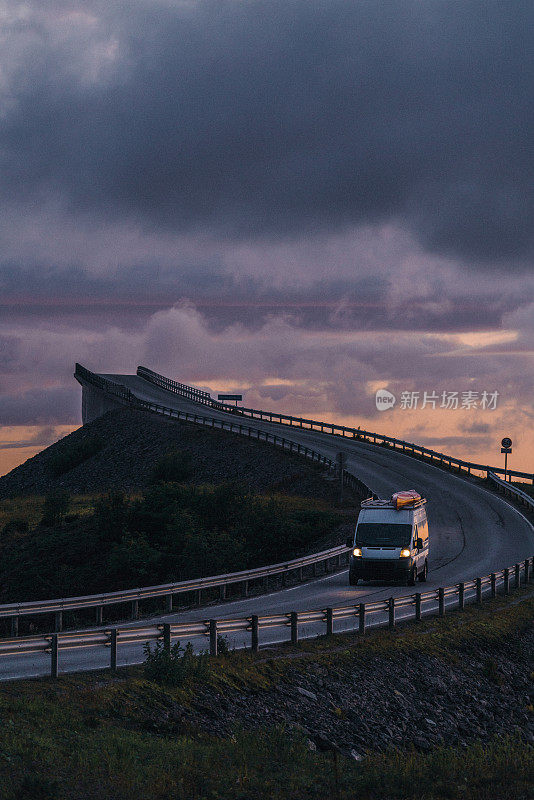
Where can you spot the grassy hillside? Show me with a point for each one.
(170, 532)
(132, 499)
(96, 737)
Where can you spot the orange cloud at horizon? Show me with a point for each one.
(440, 430)
(18, 443)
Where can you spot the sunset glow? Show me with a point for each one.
(197, 191)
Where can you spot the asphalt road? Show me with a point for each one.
(472, 533)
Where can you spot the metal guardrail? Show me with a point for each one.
(14, 611)
(409, 448)
(512, 491)
(381, 613)
(332, 558)
(434, 601)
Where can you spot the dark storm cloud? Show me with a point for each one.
(362, 303)
(271, 118)
(41, 407)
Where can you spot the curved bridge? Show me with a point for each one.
(473, 531)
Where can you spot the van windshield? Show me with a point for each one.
(383, 534)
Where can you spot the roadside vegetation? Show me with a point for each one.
(101, 736)
(61, 546)
(24, 513)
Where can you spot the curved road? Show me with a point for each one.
(472, 533)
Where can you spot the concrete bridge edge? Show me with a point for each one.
(96, 402)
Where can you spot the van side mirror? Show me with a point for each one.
(419, 544)
(350, 541)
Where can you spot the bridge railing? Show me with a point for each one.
(293, 625)
(409, 448)
(513, 492)
(173, 386)
(117, 389)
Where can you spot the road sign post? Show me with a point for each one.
(341, 459)
(506, 447)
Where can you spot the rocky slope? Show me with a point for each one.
(407, 695)
(133, 441)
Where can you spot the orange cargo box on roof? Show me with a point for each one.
(407, 498)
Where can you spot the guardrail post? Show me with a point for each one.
(222, 592)
(198, 597)
(14, 627)
(517, 576)
(506, 581)
(58, 621)
(113, 649)
(461, 596)
(441, 601)
(294, 619)
(255, 630)
(135, 609)
(301, 574)
(418, 606)
(54, 656)
(493, 580)
(478, 588)
(391, 610)
(168, 603)
(314, 569)
(167, 636)
(213, 637)
(329, 622)
(527, 576)
(361, 619)
(99, 614)
(245, 589)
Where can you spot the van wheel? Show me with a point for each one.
(412, 577)
(423, 576)
(353, 581)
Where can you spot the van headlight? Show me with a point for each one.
(405, 553)
(357, 552)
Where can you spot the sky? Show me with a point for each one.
(302, 201)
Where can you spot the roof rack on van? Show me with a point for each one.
(376, 503)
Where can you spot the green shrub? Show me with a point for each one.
(55, 507)
(35, 787)
(173, 667)
(16, 525)
(74, 453)
(174, 467)
(173, 532)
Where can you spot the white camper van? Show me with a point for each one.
(391, 540)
